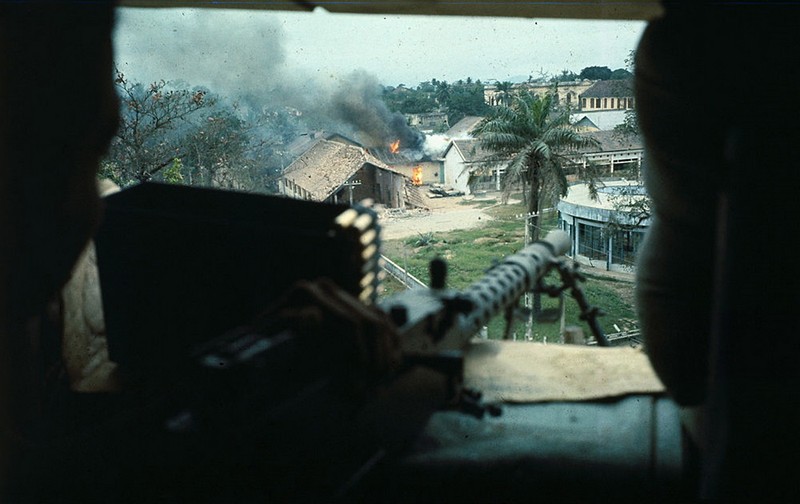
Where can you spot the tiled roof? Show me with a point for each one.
(462, 128)
(327, 165)
(610, 89)
(471, 150)
(612, 141)
(301, 144)
(402, 156)
(305, 141)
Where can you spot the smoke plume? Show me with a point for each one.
(358, 102)
(242, 57)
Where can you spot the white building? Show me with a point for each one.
(612, 151)
(463, 160)
(606, 232)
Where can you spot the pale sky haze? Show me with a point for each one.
(248, 49)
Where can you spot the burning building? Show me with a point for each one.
(339, 170)
(415, 164)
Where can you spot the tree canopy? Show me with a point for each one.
(596, 73)
(535, 138)
(630, 126)
(458, 99)
(620, 74)
(174, 133)
(565, 76)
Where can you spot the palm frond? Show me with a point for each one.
(537, 140)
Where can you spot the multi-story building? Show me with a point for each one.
(583, 95)
(567, 93)
(608, 95)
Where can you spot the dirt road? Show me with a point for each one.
(445, 214)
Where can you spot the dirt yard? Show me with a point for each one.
(445, 214)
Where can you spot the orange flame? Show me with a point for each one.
(394, 146)
(416, 175)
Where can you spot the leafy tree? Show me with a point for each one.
(633, 201)
(535, 138)
(565, 76)
(216, 151)
(172, 174)
(410, 101)
(620, 74)
(459, 99)
(151, 118)
(427, 86)
(630, 126)
(171, 133)
(633, 208)
(596, 73)
(442, 93)
(465, 98)
(418, 103)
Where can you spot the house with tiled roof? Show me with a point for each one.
(608, 95)
(304, 141)
(341, 171)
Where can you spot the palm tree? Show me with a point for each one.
(536, 139)
(504, 89)
(442, 93)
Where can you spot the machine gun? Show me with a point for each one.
(435, 325)
(433, 329)
(307, 401)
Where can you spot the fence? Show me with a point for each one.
(401, 275)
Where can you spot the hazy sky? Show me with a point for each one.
(250, 49)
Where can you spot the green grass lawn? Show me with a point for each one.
(469, 253)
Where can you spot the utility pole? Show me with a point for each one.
(528, 296)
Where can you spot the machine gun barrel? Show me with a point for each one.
(436, 320)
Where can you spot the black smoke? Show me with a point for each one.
(359, 103)
(247, 66)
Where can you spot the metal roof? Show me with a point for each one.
(603, 119)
